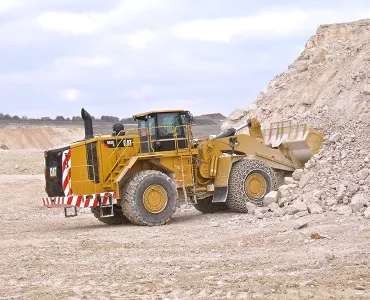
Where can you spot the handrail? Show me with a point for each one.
(137, 132)
(174, 138)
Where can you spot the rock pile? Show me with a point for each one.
(328, 87)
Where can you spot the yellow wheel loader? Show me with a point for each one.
(141, 174)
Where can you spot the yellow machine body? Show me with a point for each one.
(104, 163)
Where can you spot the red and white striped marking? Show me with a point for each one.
(66, 171)
(80, 200)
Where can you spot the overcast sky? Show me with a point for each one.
(116, 57)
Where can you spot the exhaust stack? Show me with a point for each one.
(88, 124)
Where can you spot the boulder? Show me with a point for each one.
(335, 137)
(317, 194)
(273, 206)
(251, 207)
(358, 201)
(237, 114)
(279, 212)
(300, 224)
(363, 174)
(227, 124)
(297, 174)
(289, 180)
(367, 213)
(344, 210)
(314, 208)
(284, 191)
(305, 179)
(299, 205)
(271, 197)
(291, 210)
(260, 212)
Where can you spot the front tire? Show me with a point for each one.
(149, 198)
(250, 180)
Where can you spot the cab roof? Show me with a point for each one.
(137, 116)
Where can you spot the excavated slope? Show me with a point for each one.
(328, 87)
(42, 137)
(332, 72)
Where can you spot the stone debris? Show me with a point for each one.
(251, 208)
(297, 174)
(271, 197)
(367, 213)
(300, 223)
(328, 88)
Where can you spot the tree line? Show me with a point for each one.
(111, 119)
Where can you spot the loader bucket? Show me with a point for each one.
(297, 142)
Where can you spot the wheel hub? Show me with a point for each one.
(255, 186)
(155, 198)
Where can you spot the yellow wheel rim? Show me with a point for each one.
(155, 198)
(255, 186)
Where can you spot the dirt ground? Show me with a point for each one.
(196, 256)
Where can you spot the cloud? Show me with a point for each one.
(85, 62)
(225, 29)
(7, 5)
(71, 95)
(261, 25)
(140, 40)
(89, 23)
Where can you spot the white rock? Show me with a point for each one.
(314, 208)
(366, 159)
(282, 201)
(297, 174)
(262, 210)
(344, 210)
(301, 214)
(237, 114)
(251, 207)
(273, 206)
(253, 106)
(299, 205)
(335, 137)
(317, 194)
(300, 223)
(331, 202)
(305, 179)
(271, 197)
(363, 174)
(291, 210)
(358, 201)
(227, 124)
(341, 191)
(284, 191)
(308, 165)
(367, 213)
(279, 212)
(289, 180)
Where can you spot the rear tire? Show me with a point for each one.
(117, 219)
(207, 206)
(249, 181)
(149, 198)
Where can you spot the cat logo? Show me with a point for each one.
(53, 172)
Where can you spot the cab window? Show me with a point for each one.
(167, 123)
(148, 124)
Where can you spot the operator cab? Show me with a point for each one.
(166, 129)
